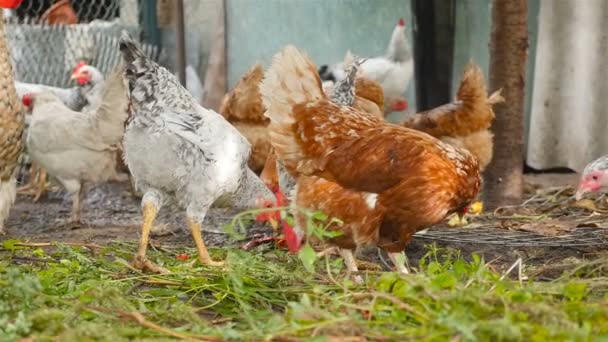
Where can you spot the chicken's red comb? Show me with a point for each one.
(10, 4)
(399, 105)
(401, 22)
(78, 67)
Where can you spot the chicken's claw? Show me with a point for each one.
(37, 184)
(203, 254)
(142, 263)
(41, 185)
(399, 260)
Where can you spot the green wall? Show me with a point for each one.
(326, 29)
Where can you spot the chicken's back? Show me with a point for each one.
(466, 122)
(244, 102)
(11, 129)
(69, 144)
(471, 112)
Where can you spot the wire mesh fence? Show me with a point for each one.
(48, 38)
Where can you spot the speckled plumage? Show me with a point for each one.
(177, 149)
(12, 122)
(600, 163)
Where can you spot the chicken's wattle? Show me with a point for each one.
(291, 238)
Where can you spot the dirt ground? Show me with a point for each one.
(111, 213)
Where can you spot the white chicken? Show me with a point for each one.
(90, 86)
(77, 148)
(85, 97)
(393, 71)
(178, 150)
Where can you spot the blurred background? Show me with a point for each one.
(564, 113)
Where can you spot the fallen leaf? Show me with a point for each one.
(182, 257)
(549, 227)
(586, 204)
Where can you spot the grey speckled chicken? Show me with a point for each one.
(178, 150)
(78, 148)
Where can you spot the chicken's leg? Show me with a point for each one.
(76, 203)
(398, 260)
(40, 184)
(203, 254)
(36, 185)
(351, 264)
(150, 209)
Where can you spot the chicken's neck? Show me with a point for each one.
(251, 192)
(398, 49)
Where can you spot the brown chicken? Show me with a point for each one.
(464, 123)
(12, 122)
(363, 94)
(243, 108)
(405, 180)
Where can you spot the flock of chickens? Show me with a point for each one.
(313, 139)
(315, 144)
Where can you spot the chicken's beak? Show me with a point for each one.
(74, 76)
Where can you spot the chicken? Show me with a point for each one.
(243, 108)
(90, 85)
(594, 178)
(355, 90)
(178, 150)
(393, 71)
(85, 97)
(77, 148)
(405, 180)
(12, 123)
(361, 93)
(464, 123)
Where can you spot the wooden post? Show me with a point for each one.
(503, 181)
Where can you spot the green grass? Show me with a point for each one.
(76, 293)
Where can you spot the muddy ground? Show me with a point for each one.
(111, 213)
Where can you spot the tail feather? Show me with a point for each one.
(291, 79)
(112, 113)
(471, 112)
(129, 48)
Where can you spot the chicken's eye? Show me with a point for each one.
(594, 177)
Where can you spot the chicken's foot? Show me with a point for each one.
(36, 185)
(140, 261)
(40, 184)
(203, 254)
(351, 265)
(327, 251)
(398, 260)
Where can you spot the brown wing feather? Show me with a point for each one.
(359, 151)
(360, 223)
(370, 90)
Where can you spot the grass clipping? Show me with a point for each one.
(71, 293)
